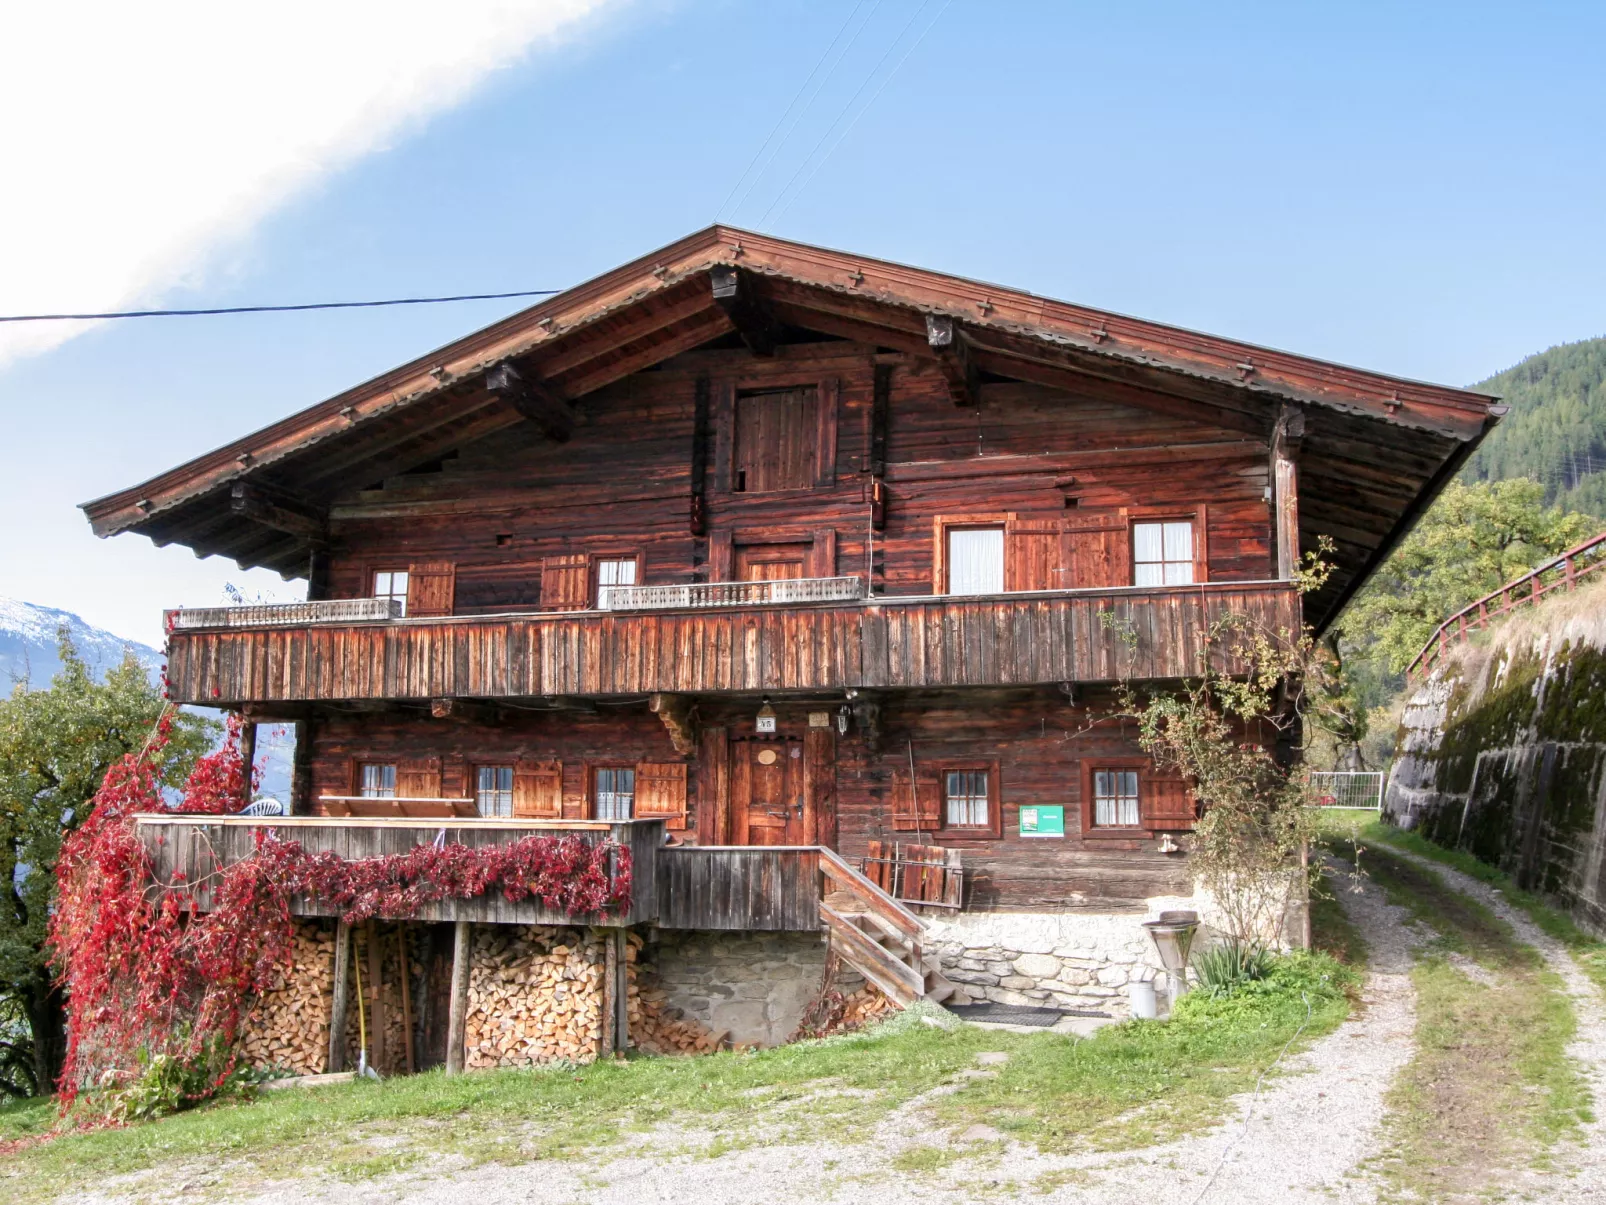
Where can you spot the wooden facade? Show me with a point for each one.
(960, 516)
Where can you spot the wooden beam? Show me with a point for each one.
(698, 517)
(280, 511)
(339, 997)
(733, 293)
(248, 757)
(946, 340)
(679, 716)
(470, 711)
(457, 1016)
(609, 1043)
(535, 400)
(376, 997)
(1285, 442)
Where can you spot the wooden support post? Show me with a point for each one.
(406, 994)
(337, 1002)
(300, 801)
(376, 1001)
(610, 995)
(457, 1017)
(248, 757)
(1285, 443)
(622, 995)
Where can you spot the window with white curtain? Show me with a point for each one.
(976, 560)
(965, 797)
(615, 792)
(392, 583)
(620, 571)
(378, 781)
(1115, 798)
(494, 791)
(1162, 553)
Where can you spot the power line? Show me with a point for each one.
(868, 105)
(852, 100)
(275, 309)
(724, 205)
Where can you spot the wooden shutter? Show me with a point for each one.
(1165, 804)
(538, 790)
(1097, 550)
(777, 441)
(566, 582)
(661, 792)
(1032, 549)
(913, 810)
(822, 555)
(431, 586)
(419, 778)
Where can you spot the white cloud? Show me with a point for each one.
(138, 137)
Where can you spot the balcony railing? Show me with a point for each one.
(263, 655)
(702, 595)
(286, 615)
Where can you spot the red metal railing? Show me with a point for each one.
(1563, 573)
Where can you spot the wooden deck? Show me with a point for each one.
(891, 643)
(197, 847)
(677, 887)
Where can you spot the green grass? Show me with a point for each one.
(1490, 1085)
(1055, 1092)
(1587, 951)
(1145, 1082)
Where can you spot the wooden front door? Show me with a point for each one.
(770, 562)
(767, 792)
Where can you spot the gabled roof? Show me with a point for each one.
(1376, 448)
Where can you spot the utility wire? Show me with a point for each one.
(852, 100)
(725, 204)
(274, 309)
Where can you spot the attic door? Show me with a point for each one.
(775, 440)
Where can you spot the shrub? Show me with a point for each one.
(1227, 966)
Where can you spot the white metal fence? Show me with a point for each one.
(1347, 789)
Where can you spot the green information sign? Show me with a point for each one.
(1040, 821)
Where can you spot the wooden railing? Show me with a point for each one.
(877, 935)
(699, 596)
(1563, 573)
(285, 615)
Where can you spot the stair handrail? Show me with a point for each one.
(1476, 615)
(835, 867)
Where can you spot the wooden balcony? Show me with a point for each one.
(682, 887)
(915, 642)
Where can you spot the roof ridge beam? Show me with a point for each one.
(734, 294)
(535, 400)
(946, 339)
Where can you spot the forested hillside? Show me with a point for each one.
(1556, 431)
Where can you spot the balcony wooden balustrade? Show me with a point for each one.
(883, 643)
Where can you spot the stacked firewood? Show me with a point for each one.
(534, 996)
(864, 1006)
(287, 1028)
(845, 1002)
(656, 1026)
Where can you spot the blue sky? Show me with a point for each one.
(1415, 191)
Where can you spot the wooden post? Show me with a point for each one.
(248, 757)
(406, 994)
(457, 1017)
(610, 994)
(621, 1025)
(1285, 489)
(300, 801)
(376, 997)
(337, 1002)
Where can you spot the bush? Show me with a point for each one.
(1222, 968)
(1289, 984)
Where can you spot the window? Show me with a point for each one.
(965, 798)
(615, 792)
(1115, 799)
(777, 433)
(392, 583)
(620, 571)
(378, 782)
(975, 560)
(1162, 553)
(494, 792)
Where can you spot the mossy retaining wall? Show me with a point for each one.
(1502, 753)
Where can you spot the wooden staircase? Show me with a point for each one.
(878, 937)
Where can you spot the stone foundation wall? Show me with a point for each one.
(752, 986)
(1050, 960)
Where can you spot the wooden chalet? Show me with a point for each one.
(805, 561)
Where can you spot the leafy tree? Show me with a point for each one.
(1471, 541)
(55, 748)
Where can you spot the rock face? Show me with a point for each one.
(1502, 753)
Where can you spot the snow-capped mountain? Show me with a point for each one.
(28, 645)
(28, 642)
